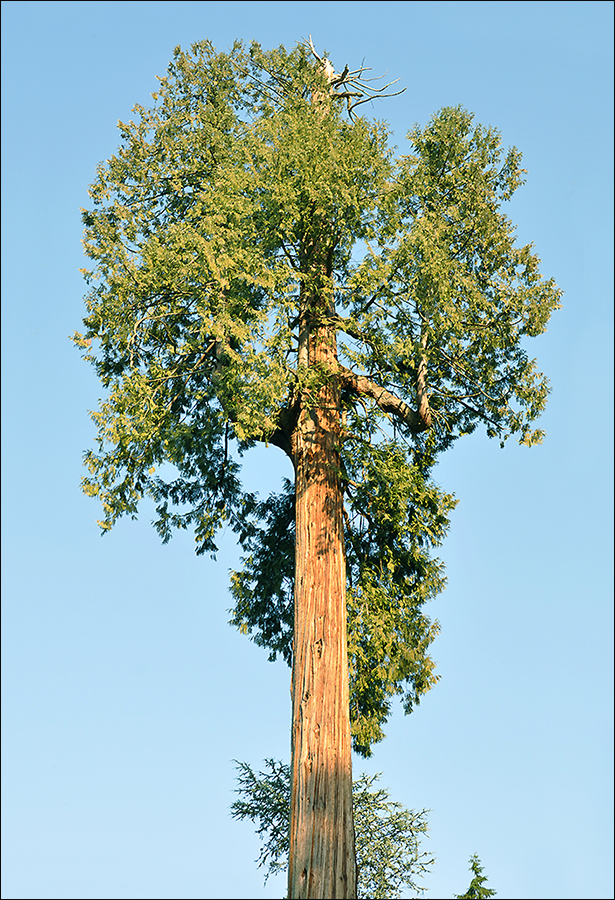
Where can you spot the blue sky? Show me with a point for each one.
(127, 694)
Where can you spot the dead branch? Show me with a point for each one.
(349, 85)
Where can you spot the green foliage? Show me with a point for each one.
(266, 801)
(477, 888)
(263, 589)
(208, 226)
(387, 835)
(449, 286)
(397, 516)
(200, 225)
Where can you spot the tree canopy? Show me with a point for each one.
(243, 188)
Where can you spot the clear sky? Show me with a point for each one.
(127, 694)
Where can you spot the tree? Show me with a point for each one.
(387, 834)
(266, 271)
(477, 888)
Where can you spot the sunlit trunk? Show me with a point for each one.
(322, 854)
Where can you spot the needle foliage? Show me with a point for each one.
(477, 888)
(201, 233)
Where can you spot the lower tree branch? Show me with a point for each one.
(388, 402)
(281, 436)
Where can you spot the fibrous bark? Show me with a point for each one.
(322, 854)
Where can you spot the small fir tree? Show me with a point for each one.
(477, 887)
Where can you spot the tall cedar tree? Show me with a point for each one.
(266, 270)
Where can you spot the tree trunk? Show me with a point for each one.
(322, 854)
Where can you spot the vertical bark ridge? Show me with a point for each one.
(322, 854)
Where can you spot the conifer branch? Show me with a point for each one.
(388, 402)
